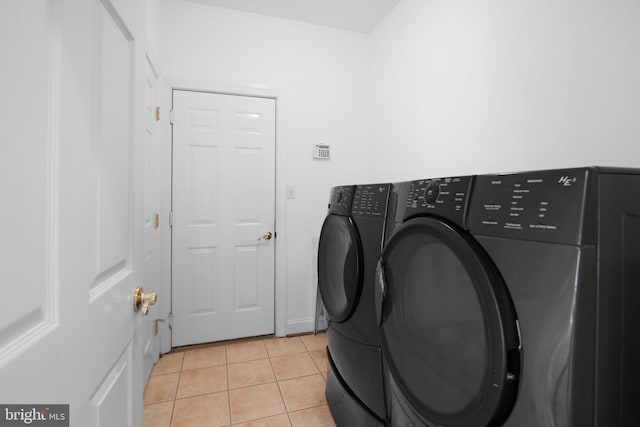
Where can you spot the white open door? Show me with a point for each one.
(223, 217)
(71, 147)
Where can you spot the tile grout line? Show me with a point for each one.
(280, 390)
(226, 364)
(173, 407)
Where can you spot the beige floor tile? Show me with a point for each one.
(245, 351)
(283, 346)
(303, 392)
(314, 342)
(321, 361)
(281, 420)
(158, 414)
(209, 410)
(204, 358)
(168, 363)
(293, 366)
(250, 384)
(250, 373)
(202, 381)
(319, 416)
(256, 402)
(161, 388)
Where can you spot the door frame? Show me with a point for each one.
(152, 61)
(168, 85)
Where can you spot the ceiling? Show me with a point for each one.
(353, 15)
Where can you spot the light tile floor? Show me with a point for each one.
(269, 382)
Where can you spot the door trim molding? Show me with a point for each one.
(152, 59)
(172, 83)
(222, 88)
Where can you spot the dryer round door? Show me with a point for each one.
(339, 266)
(448, 326)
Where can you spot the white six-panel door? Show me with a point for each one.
(223, 204)
(71, 166)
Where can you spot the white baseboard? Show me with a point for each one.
(299, 326)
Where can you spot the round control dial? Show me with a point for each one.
(432, 192)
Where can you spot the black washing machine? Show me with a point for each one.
(511, 300)
(348, 251)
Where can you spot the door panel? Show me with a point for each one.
(112, 126)
(223, 203)
(71, 176)
(204, 264)
(27, 253)
(112, 403)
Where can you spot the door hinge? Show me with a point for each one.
(170, 320)
(155, 326)
(171, 117)
(157, 114)
(170, 219)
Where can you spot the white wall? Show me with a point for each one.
(439, 88)
(321, 77)
(471, 86)
(153, 29)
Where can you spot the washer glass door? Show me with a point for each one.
(339, 266)
(449, 329)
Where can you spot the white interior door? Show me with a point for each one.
(223, 204)
(70, 189)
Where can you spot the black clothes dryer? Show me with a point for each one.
(509, 300)
(348, 251)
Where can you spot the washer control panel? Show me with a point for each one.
(446, 197)
(370, 200)
(544, 205)
(341, 199)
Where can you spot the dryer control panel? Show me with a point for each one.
(371, 200)
(341, 199)
(545, 206)
(445, 197)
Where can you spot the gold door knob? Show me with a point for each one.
(266, 236)
(142, 300)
